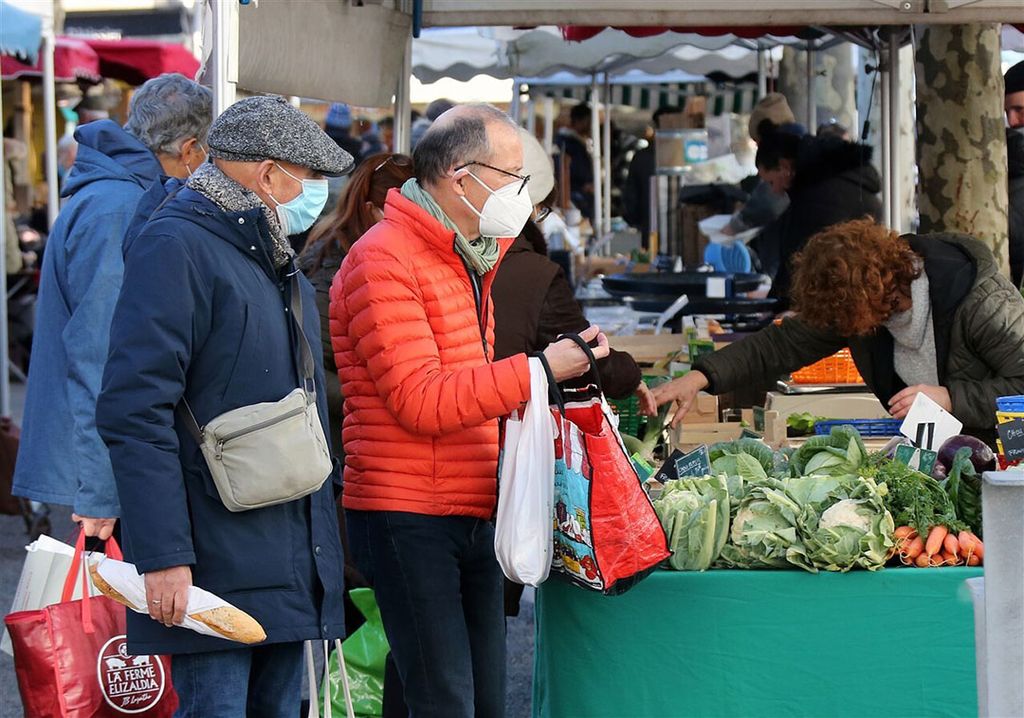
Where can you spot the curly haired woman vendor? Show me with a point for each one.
(921, 314)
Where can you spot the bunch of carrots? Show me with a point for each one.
(941, 547)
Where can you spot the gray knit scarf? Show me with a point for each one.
(226, 193)
(481, 253)
(914, 338)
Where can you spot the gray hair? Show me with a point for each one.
(457, 141)
(168, 110)
(66, 144)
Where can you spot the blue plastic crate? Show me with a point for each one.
(866, 427)
(1010, 403)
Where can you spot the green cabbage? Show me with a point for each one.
(752, 447)
(764, 532)
(695, 515)
(854, 529)
(841, 452)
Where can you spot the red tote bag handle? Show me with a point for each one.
(78, 561)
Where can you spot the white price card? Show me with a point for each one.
(716, 288)
(928, 425)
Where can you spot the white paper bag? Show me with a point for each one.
(46, 566)
(523, 532)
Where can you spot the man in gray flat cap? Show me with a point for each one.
(213, 317)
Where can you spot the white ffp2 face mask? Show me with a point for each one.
(506, 210)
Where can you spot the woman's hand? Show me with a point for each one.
(900, 404)
(648, 406)
(682, 391)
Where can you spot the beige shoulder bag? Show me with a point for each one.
(270, 453)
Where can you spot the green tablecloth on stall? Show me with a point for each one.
(760, 644)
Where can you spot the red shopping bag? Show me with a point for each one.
(72, 661)
(607, 536)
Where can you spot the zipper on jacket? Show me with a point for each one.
(256, 427)
(474, 282)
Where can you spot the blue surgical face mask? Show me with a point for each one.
(299, 214)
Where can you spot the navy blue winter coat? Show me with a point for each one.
(62, 459)
(202, 315)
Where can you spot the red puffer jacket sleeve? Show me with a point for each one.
(389, 331)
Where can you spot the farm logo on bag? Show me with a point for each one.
(130, 684)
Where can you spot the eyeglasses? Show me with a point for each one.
(500, 171)
(397, 160)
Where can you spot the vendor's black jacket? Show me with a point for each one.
(978, 316)
(534, 304)
(201, 315)
(834, 182)
(1015, 155)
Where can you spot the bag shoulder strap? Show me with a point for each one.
(554, 393)
(590, 355)
(306, 364)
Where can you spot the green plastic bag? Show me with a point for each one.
(366, 651)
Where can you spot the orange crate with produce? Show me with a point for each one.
(836, 369)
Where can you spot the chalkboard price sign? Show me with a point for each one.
(667, 472)
(696, 463)
(1012, 435)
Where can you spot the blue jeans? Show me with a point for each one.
(261, 682)
(439, 589)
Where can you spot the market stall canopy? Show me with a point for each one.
(713, 13)
(1013, 38)
(645, 91)
(320, 50)
(20, 33)
(73, 60)
(585, 32)
(462, 53)
(135, 61)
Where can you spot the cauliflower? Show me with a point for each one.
(844, 513)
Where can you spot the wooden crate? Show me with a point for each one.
(688, 437)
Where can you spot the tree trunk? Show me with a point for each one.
(960, 137)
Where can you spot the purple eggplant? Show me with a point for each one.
(939, 471)
(982, 456)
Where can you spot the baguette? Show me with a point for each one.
(228, 621)
(232, 623)
(107, 590)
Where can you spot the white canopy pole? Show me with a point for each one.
(762, 73)
(50, 126)
(893, 178)
(812, 103)
(5, 372)
(403, 102)
(886, 138)
(595, 136)
(549, 125)
(606, 154)
(515, 109)
(225, 54)
(531, 116)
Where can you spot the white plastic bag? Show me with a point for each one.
(523, 535)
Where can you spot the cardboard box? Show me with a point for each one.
(647, 349)
(831, 406)
(687, 437)
(703, 411)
